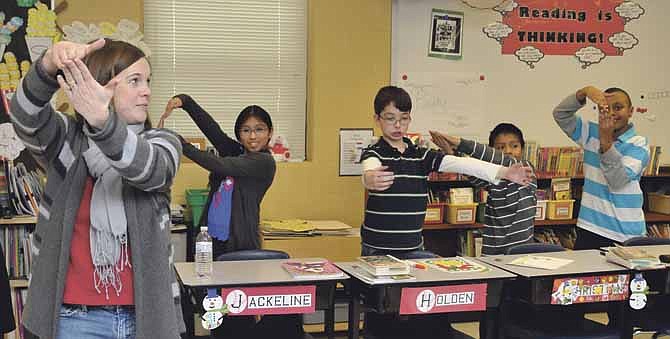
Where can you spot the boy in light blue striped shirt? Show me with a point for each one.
(614, 160)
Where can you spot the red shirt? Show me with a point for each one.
(79, 284)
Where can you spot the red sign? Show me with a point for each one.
(563, 27)
(588, 29)
(270, 300)
(443, 299)
(594, 289)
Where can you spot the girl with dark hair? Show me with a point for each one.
(102, 264)
(239, 176)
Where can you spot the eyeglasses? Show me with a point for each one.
(257, 130)
(391, 120)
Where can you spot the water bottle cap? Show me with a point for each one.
(203, 228)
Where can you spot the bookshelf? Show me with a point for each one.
(14, 231)
(441, 244)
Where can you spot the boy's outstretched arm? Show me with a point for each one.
(375, 176)
(486, 171)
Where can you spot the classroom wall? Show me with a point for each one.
(96, 11)
(348, 60)
(526, 97)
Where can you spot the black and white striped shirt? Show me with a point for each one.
(510, 207)
(394, 217)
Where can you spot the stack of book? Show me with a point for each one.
(304, 228)
(382, 269)
(633, 258)
(312, 269)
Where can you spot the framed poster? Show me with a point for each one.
(352, 143)
(446, 34)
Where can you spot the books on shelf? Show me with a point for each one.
(313, 269)
(564, 237)
(381, 265)
(15, 241)
(633, 257)
(654, 160)
(659, 230)
(19, 297)
(543, 262)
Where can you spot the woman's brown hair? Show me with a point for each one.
(110, 60)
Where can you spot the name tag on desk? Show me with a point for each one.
(270, 300)
(443, 299)
(567, 291)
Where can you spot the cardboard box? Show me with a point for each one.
(434, 213)
(559, 209)
(659, 203)
(461, 213)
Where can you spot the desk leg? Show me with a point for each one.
(488, 324)
(329, 321)
(626, 323)
(354, 313)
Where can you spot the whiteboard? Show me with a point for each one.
(449, 102)
(513, 92)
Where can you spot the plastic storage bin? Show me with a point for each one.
(434, 213)
(659, 203)
(461, 213)
(559, 209)
(196, 199)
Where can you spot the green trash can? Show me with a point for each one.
(196, 198)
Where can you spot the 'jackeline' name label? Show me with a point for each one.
(279, 301)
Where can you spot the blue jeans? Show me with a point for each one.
(96, 322)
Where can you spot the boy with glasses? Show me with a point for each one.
(395, 172)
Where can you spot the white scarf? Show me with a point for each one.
(108, 235)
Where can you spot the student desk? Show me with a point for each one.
(535, 285)
(262, 273)
(386, 297)
(658, 282)
(658, 279)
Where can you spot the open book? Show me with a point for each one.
(536, 261)
(633, 258)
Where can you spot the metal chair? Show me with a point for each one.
(252, 255)
(519, 321)
(655, 317)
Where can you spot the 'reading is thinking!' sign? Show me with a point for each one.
(590, 30)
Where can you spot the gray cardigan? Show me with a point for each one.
(147, 163)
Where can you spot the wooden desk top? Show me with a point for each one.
(244, 273)
(429, 275)
(584, 262)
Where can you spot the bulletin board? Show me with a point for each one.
(470, 95)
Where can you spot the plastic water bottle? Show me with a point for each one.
(203, 254)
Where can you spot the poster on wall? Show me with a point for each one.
(587, 30)
(446, 34)
(352, 143)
